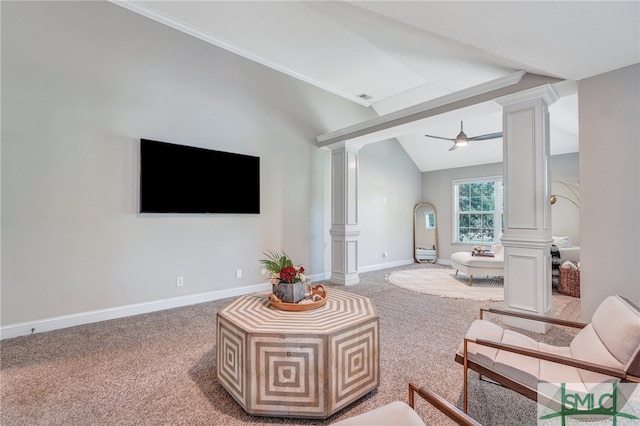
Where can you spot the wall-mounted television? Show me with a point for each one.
(185, 179)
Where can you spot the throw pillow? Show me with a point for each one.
(562, 242)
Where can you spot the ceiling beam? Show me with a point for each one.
(381, 126)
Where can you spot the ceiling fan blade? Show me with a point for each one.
(438, 137)
(486, 137)
(454, 146)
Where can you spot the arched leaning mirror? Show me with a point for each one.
(425, 235)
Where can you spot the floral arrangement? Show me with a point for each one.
(281, 268)
(478, 248)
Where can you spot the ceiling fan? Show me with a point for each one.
(462, 139)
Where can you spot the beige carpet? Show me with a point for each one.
(443, 282)
(159, 368)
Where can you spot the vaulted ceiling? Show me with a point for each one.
(391, 55)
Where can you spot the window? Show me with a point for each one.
(477, 210)
(429, 220)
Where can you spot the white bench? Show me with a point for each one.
(464, 262)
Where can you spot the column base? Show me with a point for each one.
(345, 279)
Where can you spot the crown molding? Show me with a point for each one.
(176, 24)
(545, 92)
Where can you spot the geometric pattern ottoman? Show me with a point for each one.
(298, 364)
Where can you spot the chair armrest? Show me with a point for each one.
(533, 317)
(559, 359)
(441, 404)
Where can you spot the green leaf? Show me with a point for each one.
(275, 261)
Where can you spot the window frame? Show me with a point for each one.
(498, 212)
(429, 218)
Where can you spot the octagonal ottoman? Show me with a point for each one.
(307, 364)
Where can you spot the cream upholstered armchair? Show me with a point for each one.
(606, 350)
(401, 413)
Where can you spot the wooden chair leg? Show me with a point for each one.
(456, 273)
(411, 396)
(464, 381)
(470, 280)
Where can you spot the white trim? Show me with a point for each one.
(347, 145)
(226, 45)
(546, 93)
(71, 320)
(81, 318)
(379, 266)
(477, 180)
(376, 267)
(409, 114)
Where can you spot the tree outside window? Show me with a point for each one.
(478, 212)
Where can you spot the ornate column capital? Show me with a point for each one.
(545, 93)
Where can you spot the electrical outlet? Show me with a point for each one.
(179, 281)
(238, 273)
(263, 270)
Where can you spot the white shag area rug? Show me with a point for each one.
(443, 282)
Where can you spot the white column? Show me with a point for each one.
(527, 211)
(344, 213)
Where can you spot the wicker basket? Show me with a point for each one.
(569, 282)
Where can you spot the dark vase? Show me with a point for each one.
(290, 292)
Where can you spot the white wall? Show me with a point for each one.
(609, 106)
(565, 216)
(390, 187)
(82, 82)
(437, 190)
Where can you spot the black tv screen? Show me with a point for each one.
(184, 179)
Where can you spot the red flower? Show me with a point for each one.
(288, 274)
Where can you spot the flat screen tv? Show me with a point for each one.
(184, 179)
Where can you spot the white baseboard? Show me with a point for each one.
(368, 268)
(64, 321)
(386, 265)
(72, 320)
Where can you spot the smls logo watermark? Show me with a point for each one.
(614, 404)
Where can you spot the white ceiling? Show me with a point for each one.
(403, 53)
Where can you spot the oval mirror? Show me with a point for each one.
(425, 235)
